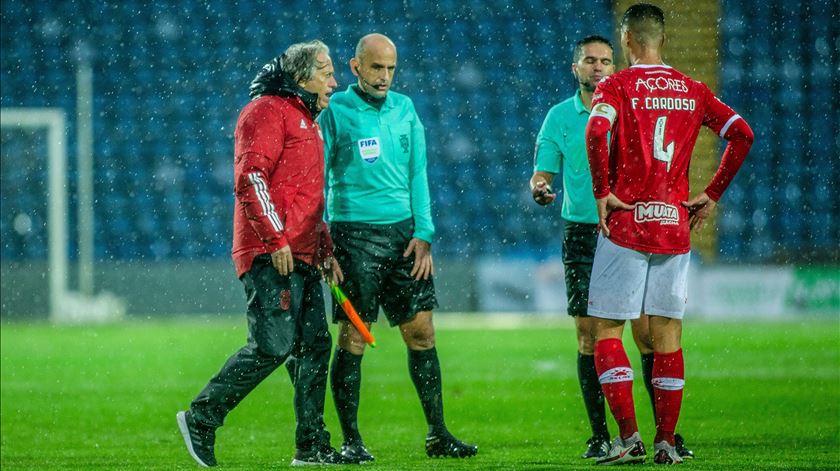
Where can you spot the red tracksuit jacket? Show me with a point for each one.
(279, 183)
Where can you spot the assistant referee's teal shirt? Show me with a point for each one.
(561, 146)
(376, 162)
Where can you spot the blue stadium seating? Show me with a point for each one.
(171, 78)
(785, 92)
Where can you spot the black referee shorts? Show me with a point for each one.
(579, 241)
(376, 273)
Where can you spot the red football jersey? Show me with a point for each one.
(655, 112)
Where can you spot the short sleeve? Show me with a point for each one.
(548, 153)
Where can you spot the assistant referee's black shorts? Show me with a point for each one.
(376, 273)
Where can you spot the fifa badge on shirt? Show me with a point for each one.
(369, 149)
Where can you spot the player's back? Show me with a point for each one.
(657, 113)
(660, 115)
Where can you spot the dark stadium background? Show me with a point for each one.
(170, 78)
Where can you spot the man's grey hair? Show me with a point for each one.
(300, 59)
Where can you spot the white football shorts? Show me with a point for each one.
(626, 283)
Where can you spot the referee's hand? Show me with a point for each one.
(423, 267)
(334, 269)
(542, 193)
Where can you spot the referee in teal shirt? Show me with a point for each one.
(560, 148)
(380, 219)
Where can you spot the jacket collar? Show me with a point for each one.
(272, 80)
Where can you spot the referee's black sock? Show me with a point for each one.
(593, 396)
(647, 372)
(424, 368)
(345, 382)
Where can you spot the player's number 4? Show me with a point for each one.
(660, 152)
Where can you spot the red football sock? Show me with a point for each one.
(668, 380)
(616, 378)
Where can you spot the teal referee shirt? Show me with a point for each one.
(376, 162)
(561, 146)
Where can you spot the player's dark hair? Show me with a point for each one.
(645, 21)
(589, 40)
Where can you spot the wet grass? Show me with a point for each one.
(758, 396)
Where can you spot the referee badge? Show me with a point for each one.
(404, 143)
(369, 149)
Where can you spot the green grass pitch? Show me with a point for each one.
(758, 396)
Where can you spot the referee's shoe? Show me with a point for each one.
(356, 451)
(321, 454)
(446, 445)
(199, 439)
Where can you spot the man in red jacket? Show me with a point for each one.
(279, 243)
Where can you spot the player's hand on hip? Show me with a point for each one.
(606, 205)
(282, 260)
(699, 208)
(423, 267)
(542, 194)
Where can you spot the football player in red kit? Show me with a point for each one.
(653, 114)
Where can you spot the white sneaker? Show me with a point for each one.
(665, 453)
(630, 451)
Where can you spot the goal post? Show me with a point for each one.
(64, 304)
(54, 120)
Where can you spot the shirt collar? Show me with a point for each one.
(361, 104)
(650, 66)
(579, 103)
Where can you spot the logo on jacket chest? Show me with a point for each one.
(369, 149)
(314, 126)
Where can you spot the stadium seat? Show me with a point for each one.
(170, 93)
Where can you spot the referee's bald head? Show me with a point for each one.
(373, 41)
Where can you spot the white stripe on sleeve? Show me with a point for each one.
(265, 201)
(725, 127)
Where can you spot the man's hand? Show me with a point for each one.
(282, 260)
(606, 205)
(699, 208)
(423, 267)
(542, 193)
(331, 267)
